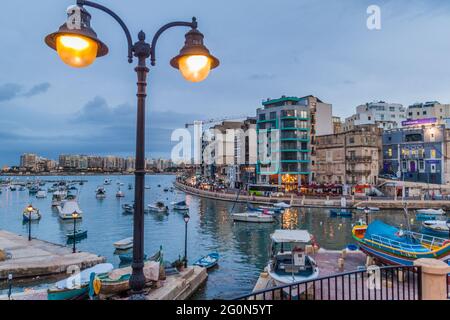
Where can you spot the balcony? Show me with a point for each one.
(354, 159)
(359, 172)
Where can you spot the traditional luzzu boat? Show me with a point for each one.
(392, 246)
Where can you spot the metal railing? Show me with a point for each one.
(375, 283)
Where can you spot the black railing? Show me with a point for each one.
(383, 283)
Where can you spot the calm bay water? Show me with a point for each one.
(244, 248)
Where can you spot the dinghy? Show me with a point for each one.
(120, 194)
(128, 208)
(35, 215)
(77, 286)
(57, 197)
(180, 206)
(209, 261)
(282, 205)
(253, 217)
(124, 244)
(42, 194)
(79, 234)
(100, 193)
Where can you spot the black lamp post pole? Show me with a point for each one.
(185, 245)
(29, 225)
(74, 250)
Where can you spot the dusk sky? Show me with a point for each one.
(267, 49)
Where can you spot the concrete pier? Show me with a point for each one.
(40, 258)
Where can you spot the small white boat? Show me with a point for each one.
(58, 197)
(100, 193)
(128, 208)
(434, 212)
(107, 182)
(68, 207)
(282, 205)
(147, 187)
(437, 226)
(180, 206)
(124, 244)
(42, 194)
(158, 207)
(370, 208)
(254, 217)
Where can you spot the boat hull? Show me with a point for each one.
(67, 294)
(251, 218)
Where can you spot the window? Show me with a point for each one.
(415, 137)
(273, 115)
(403, 165)
(262, 117)
(424, 113)
(433, 168)
(433, 154)
(390, 152)
(421, 166)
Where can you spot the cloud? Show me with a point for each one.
(37, 89)
(9, 91)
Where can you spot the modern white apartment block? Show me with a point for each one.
(386, 115)
(429, 110)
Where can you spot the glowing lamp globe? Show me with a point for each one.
(194, 61)
(77, 46)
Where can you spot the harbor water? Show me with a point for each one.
(243, 248)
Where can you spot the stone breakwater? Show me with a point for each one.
(303, 201)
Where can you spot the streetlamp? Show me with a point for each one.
(78, 46)
(367, 211)
(186, 218)
(448, 226)
(30, 210)
(74, 217)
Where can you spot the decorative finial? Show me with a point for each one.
(141, 36)
(194, 22)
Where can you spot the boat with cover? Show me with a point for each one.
(253, 217)
(77, 286)
(158, 207)
(57, 197)
(290, 263)
(42, 194)
(67, 208)
(393, 246)
(35, 215)
(370, 208)
(270, 210)
(429, 214)
(128, 257)
(282, 205)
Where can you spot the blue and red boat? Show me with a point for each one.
(392, 246)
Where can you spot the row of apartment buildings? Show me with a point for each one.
(299, 143)
(83, 163)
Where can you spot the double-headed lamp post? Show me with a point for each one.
(78, 46)
(74, 217)
(30, 210)
(186, 219)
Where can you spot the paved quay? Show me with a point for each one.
(34, 258)
(305, 202)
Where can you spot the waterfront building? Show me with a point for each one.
(286, 129)
(418, 152)
(130, 164)
(351, 158)
(386, 115)
(428, 110)
(95, 163)
(29, 161)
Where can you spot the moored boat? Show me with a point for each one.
(435, 212)
(77, 286)
(340, 213)
(34, 215)
(57, 197)
(180, 206)
(79, 234)
(107, 182)
(393, 246)
(68, 208)
(438, 227)
(158, 207)
(267, 210)
(128, 208)
(290, 263)
(120, 194)
(42, 194)
(124, 244)
(282, 205)
(253, 217)
(372, 209)
(209, 261)
(100, 193)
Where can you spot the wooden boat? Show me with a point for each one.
(253, 217)
(57, 197)
(438, 227)
(209, 261)
(180, 206)
(76, 286)
(118, 280)
(340, 213)
(128, 257)
(124, 244)
(67, 208)
(79, 234)
(392, 246)
(429, 214)
(34, 216)
(158, 207)
(289, 263)
(372, 209)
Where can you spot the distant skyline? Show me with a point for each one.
(267, 49)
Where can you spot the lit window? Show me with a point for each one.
(433, 153)
(390, 152)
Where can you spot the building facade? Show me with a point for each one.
(428, 110)
(286, 129)
(417, 153)
(352, 157)
(385, 115)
